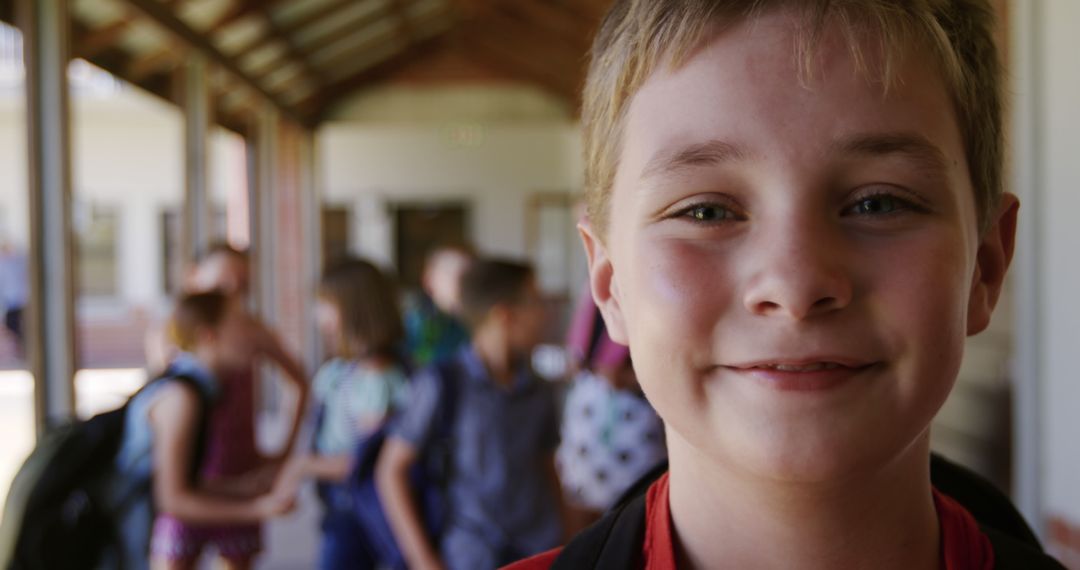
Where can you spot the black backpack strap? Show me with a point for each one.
(982, 499)
(612, 543)
(198, 452)
(1013, 554)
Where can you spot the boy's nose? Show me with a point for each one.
(798, 276)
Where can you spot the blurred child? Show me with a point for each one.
(796, 217)
(235, 451)
(503, 492)
(611, 436)
(433, 329)
(163, 429)
(356, 391)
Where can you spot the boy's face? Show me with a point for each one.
(794, 262)
(526, 321)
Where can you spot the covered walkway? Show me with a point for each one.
(134, 133)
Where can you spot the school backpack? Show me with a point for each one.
(429, 477)
(615, 541)
(59, 513)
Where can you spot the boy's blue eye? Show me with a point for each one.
(878, 206)
(709, 213)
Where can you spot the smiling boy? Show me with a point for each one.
(796, 217)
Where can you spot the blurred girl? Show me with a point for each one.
(233, 452)
(611, 436)
(356, 390)
(163, 428)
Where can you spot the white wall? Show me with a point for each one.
(127, 156)
(1047, 175)
(492, 164)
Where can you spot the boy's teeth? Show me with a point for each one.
(807, 368)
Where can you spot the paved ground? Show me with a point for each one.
(291, 542)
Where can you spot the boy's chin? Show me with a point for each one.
(813, 459)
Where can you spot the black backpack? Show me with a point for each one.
(615, 542)
(62, 511)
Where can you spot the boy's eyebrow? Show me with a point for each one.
(914, 146)
(706, 153)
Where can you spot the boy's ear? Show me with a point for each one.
(602, 282)
(992, 262)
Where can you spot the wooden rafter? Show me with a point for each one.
(157, 12)
(292, 50)
(117, 62)
(400, 9)
(345, 32)
(326, 99)
(515, 46)
(155, 62)
(564, 25)
(291, 28)
(98, 40)
(520, 65)
(236, 11)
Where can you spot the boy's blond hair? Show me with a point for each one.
(638, 36)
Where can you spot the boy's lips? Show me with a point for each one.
(802, 374)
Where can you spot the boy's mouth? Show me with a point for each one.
(807, 368)
(815, 364)
(802, 375)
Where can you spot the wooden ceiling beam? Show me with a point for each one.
(160, 14)
(322, 102)
(400, 9)
(159, 61)
(293, 51)
(567, 27)
(507, 40)
(261, 40)
(236, 12)
(98, 40)
(345, 32)
(520, 65)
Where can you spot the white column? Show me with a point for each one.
(196, 218)
(51, 324)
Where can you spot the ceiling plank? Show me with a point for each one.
(159, 61)
(521, 65)
(162, 16)
(266, 37)
(235, 12)
(506, 42)
(293, 51)
(321, 103)
(345, 32)
(96, 41)
(566, 26)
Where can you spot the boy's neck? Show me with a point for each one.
(496, 354)
(884, 520)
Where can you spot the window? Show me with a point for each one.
(335, 233)
(96, 228)
(172, 266)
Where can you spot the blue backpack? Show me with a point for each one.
(429, 478)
